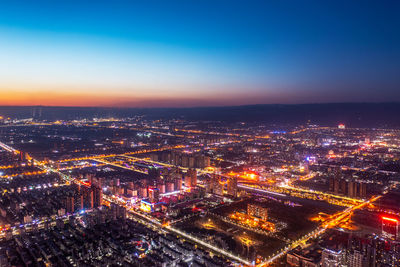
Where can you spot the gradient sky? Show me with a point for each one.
(198, 53)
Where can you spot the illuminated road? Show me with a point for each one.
(321, 193)
(23, 173)
(119, 165)
(252, 189)
(124, 154)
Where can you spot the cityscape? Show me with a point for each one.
(199, 133)
(109, 191)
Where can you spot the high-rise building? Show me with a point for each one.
(363, 190)
(114, 211)
(170, 187)
(355, 259)
(350, 190)
(232, 187)
(216, 187)
(154, 195)
(143, 192)
(187, 180)
(87, 193)
(336, 185)
(192, 178)
(70, 204)
(191, 162)
(161, 187)
(331, 184)
(332, 258)
(343, 187)
(185, 161)
(178, 183)
(390, 227)
(97, 196)
(79, 200)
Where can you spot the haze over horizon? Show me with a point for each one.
(185, 54)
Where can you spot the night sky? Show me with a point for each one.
(198, 53)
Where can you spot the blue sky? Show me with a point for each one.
(195, 53)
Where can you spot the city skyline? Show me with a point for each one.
(182, 54)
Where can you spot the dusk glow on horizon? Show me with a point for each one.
(208, 53)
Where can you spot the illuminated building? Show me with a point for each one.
(22, 156)
(355, 259)
(169, 187)
(161, 187)
(390, 227)
(306, 258)
(185, 161)
(97, 196)
(257, 211)
(70, 204)
(191, 178)
(232, 186)
(154, 195)
(342, 126)
(80, 201)
(143, 192)
(191, 162)
(114, 211)
(332, 258)
(87, 197)
(217, 186)
(187, 180)
(252, 221)
(146, 206)
(178, 183)
(348, 188)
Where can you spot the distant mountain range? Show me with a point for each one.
(375, 115)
